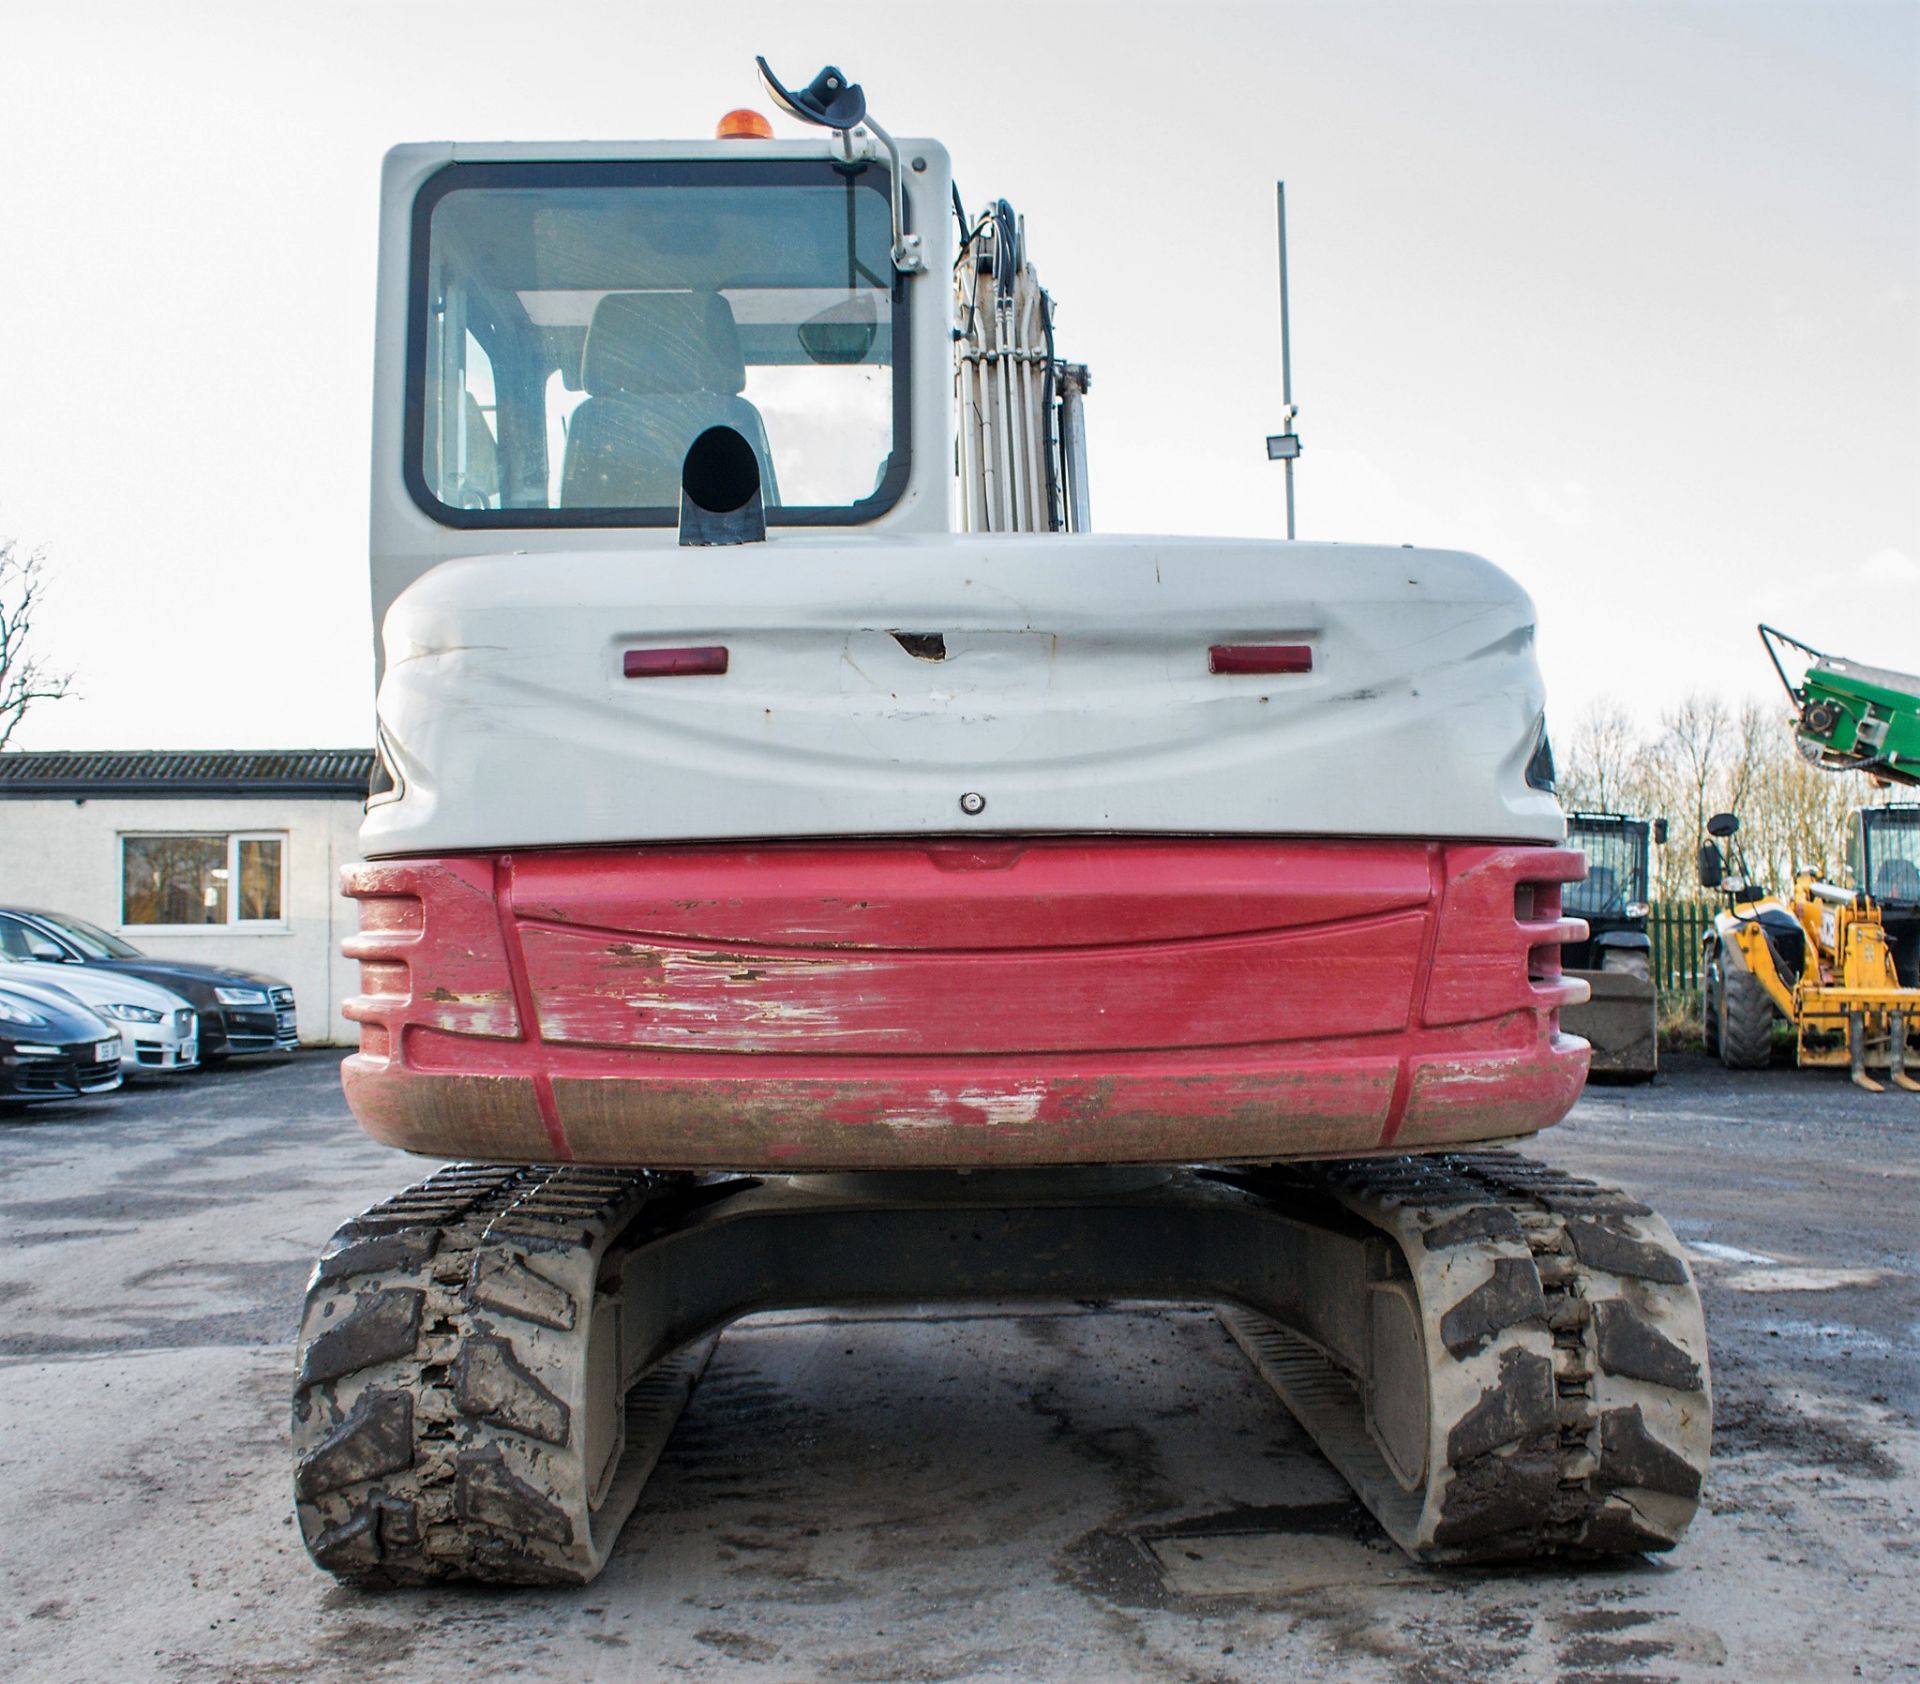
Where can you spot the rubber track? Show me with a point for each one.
(440, 1416)
(1570, 1406)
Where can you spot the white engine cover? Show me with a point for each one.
(1074, 696)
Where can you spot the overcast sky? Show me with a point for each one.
(1624, 296)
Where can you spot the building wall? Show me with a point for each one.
(64, 855)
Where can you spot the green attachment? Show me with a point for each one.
(1852, 718)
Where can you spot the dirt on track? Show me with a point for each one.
(1062, 1491)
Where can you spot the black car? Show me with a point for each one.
(240, 1011)
(52, 1047)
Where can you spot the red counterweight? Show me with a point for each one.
(886, 1004)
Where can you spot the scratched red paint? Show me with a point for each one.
(1047, 1002)
(1292, 985)
(1041, 894)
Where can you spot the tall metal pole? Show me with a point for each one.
(1286, 344)
(1284, 446)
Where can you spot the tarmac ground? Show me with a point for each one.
(975, 1492)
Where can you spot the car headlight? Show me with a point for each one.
(1636, 909)
(241, 996)
(133, 1014)
(12, 1011)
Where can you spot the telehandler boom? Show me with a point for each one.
(1851, 717)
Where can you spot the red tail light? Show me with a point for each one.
(674, 663)
(1260, 657)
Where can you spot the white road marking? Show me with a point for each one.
(1716, 1253)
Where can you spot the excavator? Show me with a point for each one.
(809, 865)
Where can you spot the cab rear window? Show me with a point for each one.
(576, 326)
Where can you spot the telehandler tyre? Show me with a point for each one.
(1744, 1021)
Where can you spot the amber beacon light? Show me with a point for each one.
(743, 124)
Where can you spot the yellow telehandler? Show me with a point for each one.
(1821, 957)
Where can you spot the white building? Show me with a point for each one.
(223, 856)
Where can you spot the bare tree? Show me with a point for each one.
(1604, 762)
(1754, 743)
(1799, 815)
(1691, 757)
(24, 677)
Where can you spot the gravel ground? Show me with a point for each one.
(987, 1492)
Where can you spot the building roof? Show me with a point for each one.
(321, 773)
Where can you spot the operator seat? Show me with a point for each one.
(659, 368)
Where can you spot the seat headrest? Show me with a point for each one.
(651, 342)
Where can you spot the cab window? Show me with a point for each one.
(576, 326)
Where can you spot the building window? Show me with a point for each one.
(202, 880)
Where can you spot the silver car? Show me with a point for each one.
(159, 1031)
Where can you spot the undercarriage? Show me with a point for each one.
(1505, 1362)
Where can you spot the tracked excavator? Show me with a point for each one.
(808, 865)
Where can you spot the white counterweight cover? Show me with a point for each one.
(1074, 695)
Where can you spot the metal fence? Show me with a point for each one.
(1675, 927)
